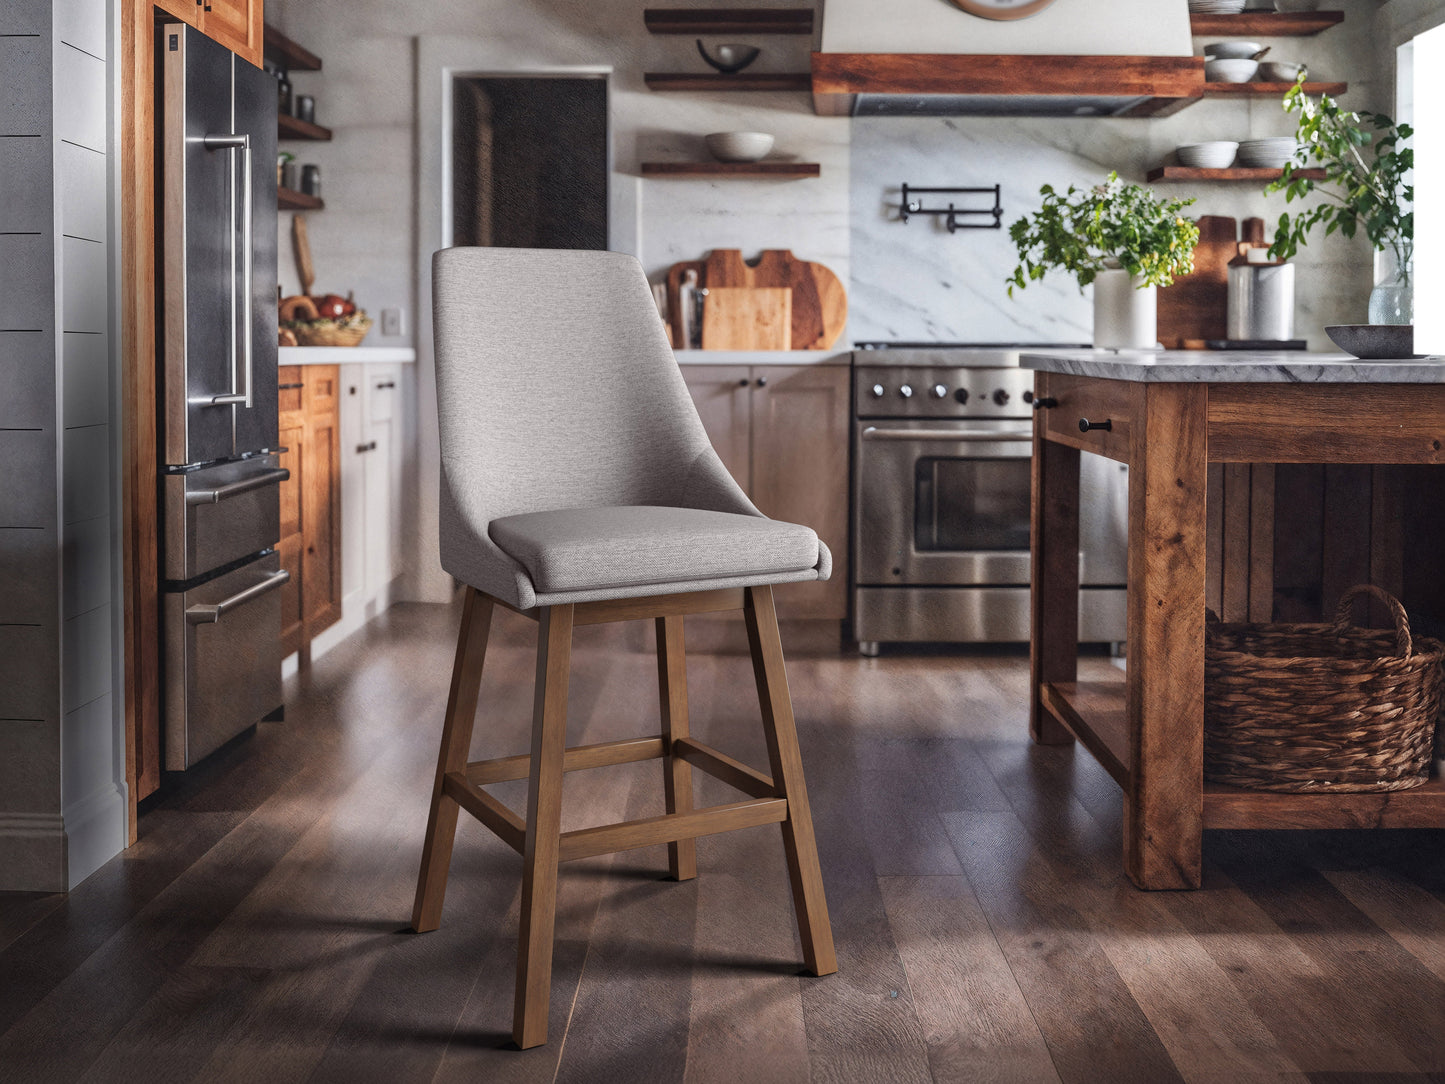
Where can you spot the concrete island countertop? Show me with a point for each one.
(833, 356)
(345, 355)
(1236, 367)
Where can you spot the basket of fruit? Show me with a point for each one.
(331, 320)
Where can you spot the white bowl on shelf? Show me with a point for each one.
(1230, 71)
(738, 146)
(1296, 5)
(1216, 7)
(1215, 154)
(1232, 50)
(1280, 71)
(1271, 153)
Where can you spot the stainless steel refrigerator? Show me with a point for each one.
(220, 462)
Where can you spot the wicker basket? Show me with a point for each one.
(1321, 707)
(348, 331)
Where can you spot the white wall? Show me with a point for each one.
(62, 768)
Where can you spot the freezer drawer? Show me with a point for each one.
(223, 659)
(221, 514)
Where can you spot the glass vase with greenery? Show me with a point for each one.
(1112, 225)
(1366, 188)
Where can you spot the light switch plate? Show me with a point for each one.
(391, 322)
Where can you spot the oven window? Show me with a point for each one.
(969, 505)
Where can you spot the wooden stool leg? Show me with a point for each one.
(461, 715)
(544, 827)
(677, 778)
(799, 845)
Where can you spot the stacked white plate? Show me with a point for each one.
(1216, 7)
(1270, 153)
(1218, 154)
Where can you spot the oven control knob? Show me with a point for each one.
(961, 395)
(905, 390)
(1000, 397)
(938, 391)
(878, 391)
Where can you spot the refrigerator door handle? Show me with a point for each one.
(240, 395)
(209, 615)
(235, 489)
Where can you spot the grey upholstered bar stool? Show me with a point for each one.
(578, 487)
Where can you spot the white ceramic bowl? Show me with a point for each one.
(1230, 71)
(1232, 50)
(1217, 154)
(1280, 71)
(1296, 5)
(1216, 7)
(1270, 153)
(738, 146)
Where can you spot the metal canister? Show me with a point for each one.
(311, 180)
(1261, 300)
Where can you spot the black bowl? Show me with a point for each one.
(1374, 342)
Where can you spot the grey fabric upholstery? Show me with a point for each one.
(557, 393)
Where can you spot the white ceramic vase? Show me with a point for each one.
(1124, 317)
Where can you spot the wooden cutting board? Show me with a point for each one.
(1196, 307)
(747, 318)
(819, 302)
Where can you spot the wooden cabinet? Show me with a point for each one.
(310, 546)
(782, 431)
(236, 24)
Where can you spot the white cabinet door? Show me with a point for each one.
(383, 526)
(353, 487)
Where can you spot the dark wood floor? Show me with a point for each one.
(985, 932)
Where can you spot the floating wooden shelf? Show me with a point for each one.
(1264, 24)
(740, 81)
(288, 199)
(781, 170)
(1233, 173)
(695, 21)
(290, 127)
(1269, 90)
(281, 50)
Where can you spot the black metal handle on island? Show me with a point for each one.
(1107, 425)
(1043, 403)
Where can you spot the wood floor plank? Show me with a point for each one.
(254, 932)
(1076, 994)
(1405, 911)
(975, 1018)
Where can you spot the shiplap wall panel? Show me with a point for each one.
(87, 379)
(79, 98)
(30, 770)
(27, 288)
(29, 664)
(85, 286)
(28, 376)
(27, 482)
(85, 566)
(25, 192)
(25, 105)
(28, 571)
(80, 177)
(81, 24)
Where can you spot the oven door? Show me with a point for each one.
(942, 502)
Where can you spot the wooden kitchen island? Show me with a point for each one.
(1168, 414)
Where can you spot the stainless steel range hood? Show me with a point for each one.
(1076, 58)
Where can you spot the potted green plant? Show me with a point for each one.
(1365, 189)
(1120, 237)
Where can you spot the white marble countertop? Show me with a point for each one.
(345, 355)
(763, 357)
(1236, 367)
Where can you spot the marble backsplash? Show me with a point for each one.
(916, 281)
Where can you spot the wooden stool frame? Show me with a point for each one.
(780, 798)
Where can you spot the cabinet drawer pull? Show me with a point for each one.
(744, 382)
(235, 489)
(1107, 425)
(386, 384)
(209, 615)
(762, 382)
(289, 387)
(1045, 402)
(369, 446)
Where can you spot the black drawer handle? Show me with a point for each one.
(762, 382)
(289, 387)
(386, 384)
(1045, 402)
(368, 447)
(1107, 425)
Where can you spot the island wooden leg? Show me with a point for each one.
(1054, 578)
(1164, 801)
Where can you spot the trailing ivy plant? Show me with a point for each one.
(1366, 163)
(1114, 224)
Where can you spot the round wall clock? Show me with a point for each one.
(1003, 9)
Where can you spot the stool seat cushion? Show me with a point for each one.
(624, 546)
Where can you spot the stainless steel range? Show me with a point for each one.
(941, 455)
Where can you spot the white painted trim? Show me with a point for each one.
(95, 831)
